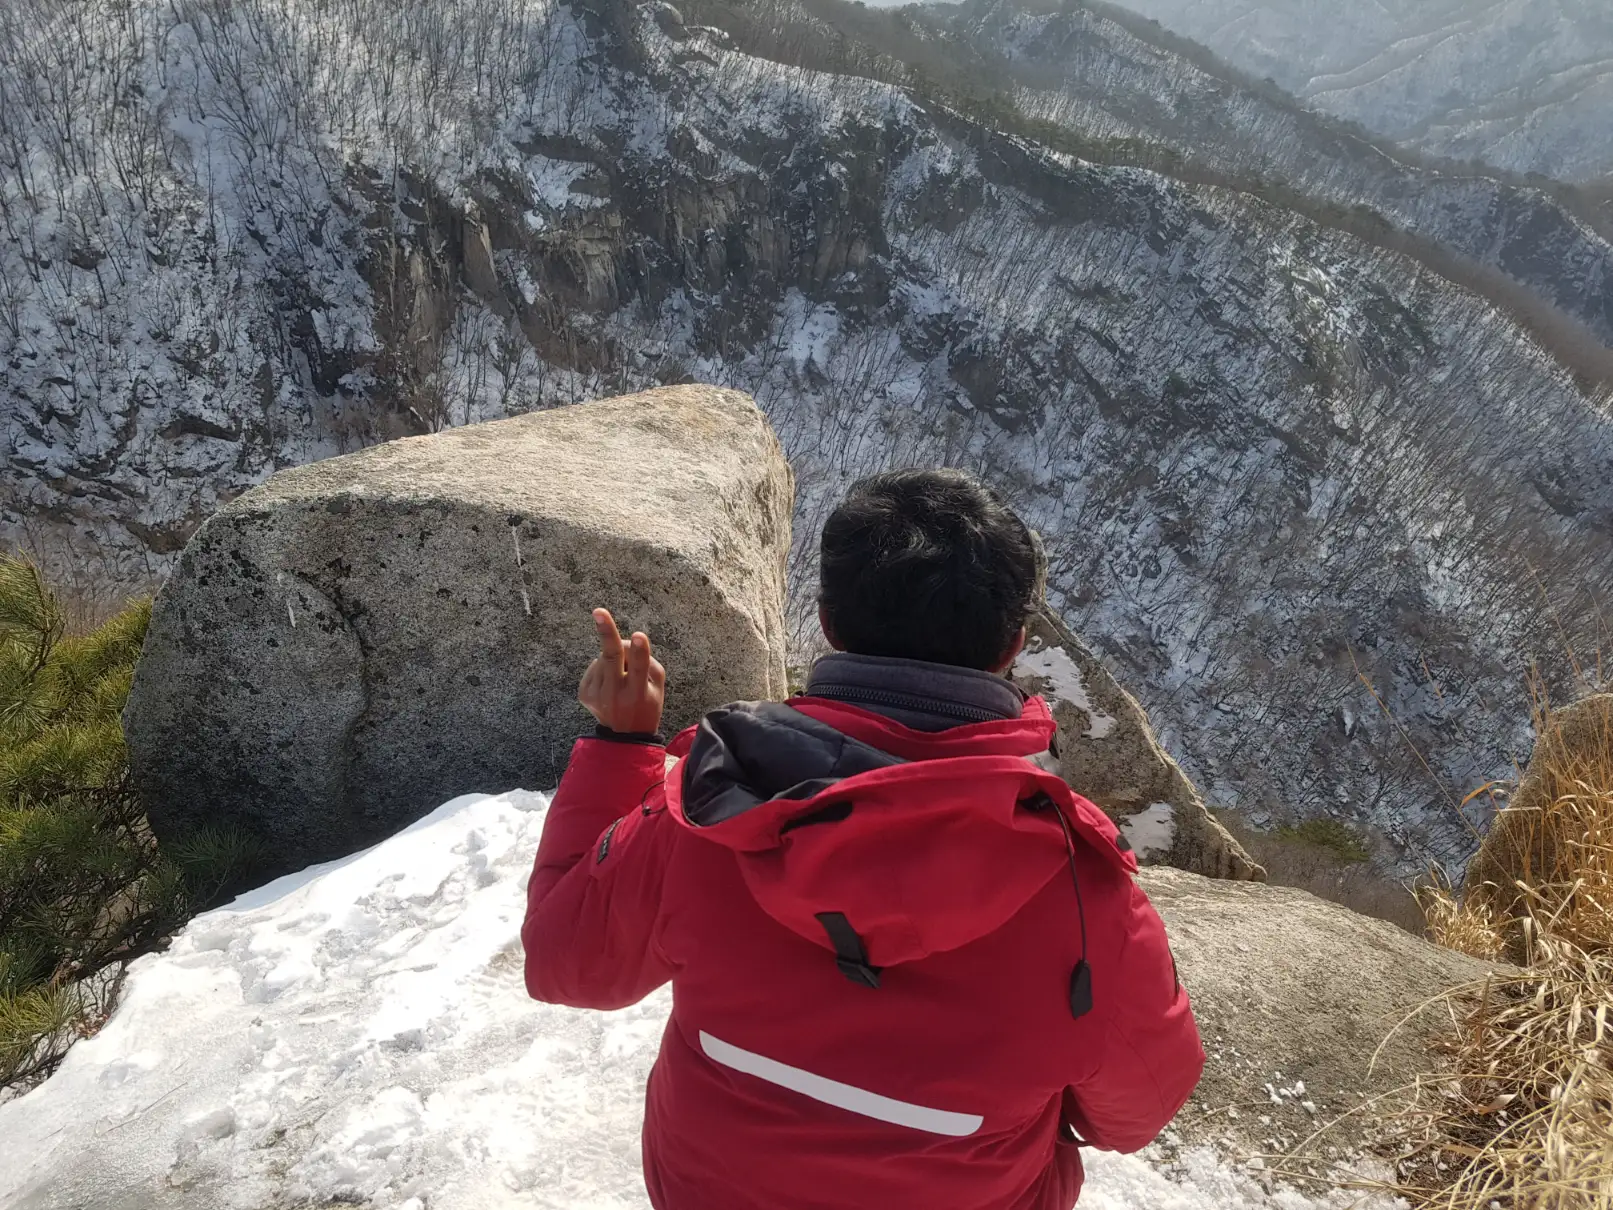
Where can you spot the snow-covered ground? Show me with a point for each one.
(359, 1034)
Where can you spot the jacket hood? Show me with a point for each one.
(921, 841)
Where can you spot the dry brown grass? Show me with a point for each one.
(1525, 1120)
(1549, 855)
(1467, 927)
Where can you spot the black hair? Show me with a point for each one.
(928, 565)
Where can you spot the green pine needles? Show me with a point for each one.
(83, 886)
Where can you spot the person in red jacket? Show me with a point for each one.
(910, 969)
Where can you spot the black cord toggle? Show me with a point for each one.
(1080, 990)
(1081, 976)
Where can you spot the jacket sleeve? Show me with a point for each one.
(1151, 1056)
(593, 901)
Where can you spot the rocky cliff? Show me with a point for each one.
(1271, 460)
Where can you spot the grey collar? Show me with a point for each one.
(917, 694)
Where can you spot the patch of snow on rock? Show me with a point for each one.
(1065, 684)
(1151, 830)
(359, 1033)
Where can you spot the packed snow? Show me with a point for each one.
(1065, 684)
(1151, 830)
(359, 1034)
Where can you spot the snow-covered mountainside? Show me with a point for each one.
(1272, 461)
(1109, 86)
(1524, 84)
(359, 1035)
(1156, 103)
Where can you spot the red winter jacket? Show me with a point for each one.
(871, 934)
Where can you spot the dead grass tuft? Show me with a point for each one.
(1526, 1119)
(1549, 855)
(1467, 928)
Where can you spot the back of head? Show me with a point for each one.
(928, 565)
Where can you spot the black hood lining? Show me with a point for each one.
(758, 752)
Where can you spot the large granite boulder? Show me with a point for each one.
(1314, 1018)
(1108, 753)
(358, 640)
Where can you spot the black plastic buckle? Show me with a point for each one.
(859, 972)
(850, 956)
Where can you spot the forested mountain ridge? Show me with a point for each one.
(1100, 78)
(1100, 82)
(1524, 84)
(1270, 459)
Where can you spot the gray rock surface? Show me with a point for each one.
(354, 642)
(1107, 752)
(1294, 996)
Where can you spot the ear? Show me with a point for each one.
(828, 630)
(1012, 654)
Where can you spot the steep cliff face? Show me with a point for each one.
(1525, 84)
(1270, 460)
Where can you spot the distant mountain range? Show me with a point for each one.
(1522, 84)
(1313, 431)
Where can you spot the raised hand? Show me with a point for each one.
(625, 686)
